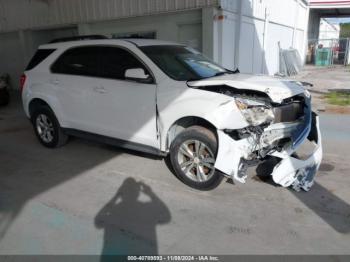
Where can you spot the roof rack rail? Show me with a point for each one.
(78, 38)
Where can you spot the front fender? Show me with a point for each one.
(218, 109)
(227, 116)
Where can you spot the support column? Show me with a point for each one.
(209, 34)
(314, 24)
(27, 45)
(296, 16)
(305, 37)
(266, 27)
(238, 32)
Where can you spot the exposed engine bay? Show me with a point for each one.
(276, 129)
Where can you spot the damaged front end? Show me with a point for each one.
(296, 172)
(276, 130)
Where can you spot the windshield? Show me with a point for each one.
(183, 63)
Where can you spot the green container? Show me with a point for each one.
(323, 56)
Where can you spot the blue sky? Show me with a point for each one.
(339, 20)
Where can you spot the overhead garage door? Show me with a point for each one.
(191, 35)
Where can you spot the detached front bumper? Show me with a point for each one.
(300, 174)
(233, 156)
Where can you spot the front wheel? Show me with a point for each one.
(193, 156)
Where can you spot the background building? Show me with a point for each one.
(320, 10)
(235, 33)
(328, 30)
(324, 9)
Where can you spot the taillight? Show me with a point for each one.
(22, 81)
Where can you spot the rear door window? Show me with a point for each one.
(39, 57)
(78, 61)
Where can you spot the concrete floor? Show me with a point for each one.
(325, 78)
(87, 198)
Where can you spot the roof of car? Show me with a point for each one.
(137, 42)
(150, 42)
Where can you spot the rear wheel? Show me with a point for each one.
(193, 156)
(47, 128)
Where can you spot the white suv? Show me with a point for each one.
(167, 99)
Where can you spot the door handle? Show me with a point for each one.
(99, 89)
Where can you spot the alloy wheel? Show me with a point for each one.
(45, 128)
(196, 160)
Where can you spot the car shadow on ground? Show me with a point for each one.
(329, 207)
(129, 223)
(31, 170)
(28, 169)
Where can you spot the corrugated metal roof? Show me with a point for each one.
(329, 3)
(28, 14)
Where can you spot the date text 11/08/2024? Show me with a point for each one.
(173, 258)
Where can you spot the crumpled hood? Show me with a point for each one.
(277, 89)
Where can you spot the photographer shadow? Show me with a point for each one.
(130, 224)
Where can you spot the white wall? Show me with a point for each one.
(25, 24)
(167, 26)
(38, 14)
(185, 27)
(242, 33)
(255, 27)
(328, 33)
(328, 30)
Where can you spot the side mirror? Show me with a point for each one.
(138, 74)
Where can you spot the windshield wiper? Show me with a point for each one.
(227, 72)
(194, 79)
(236, 71)
(220, 73)
(217, 74)
(203, 78)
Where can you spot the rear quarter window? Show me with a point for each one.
(39, 57)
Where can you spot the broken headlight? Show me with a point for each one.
(255, 112)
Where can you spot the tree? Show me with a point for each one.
(344, 30)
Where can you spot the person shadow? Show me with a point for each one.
(129, 224)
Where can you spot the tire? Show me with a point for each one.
(192, 167)
(44, 120)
